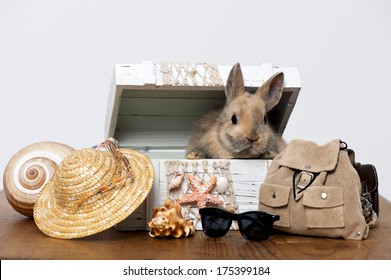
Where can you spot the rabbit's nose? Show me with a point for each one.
(253, 139)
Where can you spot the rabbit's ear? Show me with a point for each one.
(271, 90)
(235, 83)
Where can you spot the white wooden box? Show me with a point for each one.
(152, 108)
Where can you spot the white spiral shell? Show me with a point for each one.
(29, 170)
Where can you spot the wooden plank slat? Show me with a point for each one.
(168, 106)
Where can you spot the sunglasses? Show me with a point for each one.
(253, 225)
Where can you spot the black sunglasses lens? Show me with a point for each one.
(215, 222)
(256, 226)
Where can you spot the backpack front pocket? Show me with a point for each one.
(274, 199)
(324, 207)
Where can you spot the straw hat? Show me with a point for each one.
(91, 191)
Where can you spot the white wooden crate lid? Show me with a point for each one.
(153, 104)
(148, 74)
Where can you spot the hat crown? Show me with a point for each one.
(81, 175)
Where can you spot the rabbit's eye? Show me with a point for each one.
(234, 120)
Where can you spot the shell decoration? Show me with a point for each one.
(176, 182)
(222, 185)
(167, 221)
(29, 170)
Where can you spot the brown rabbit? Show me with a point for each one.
(239, 129)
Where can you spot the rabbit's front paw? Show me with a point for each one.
(195, 155)
(269, 155)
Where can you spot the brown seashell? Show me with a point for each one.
(167, 221)
(29, 170)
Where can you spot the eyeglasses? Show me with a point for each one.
(253, 225)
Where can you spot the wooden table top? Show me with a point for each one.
(21, 239)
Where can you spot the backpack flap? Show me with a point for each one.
(308, 160)
(309, 156)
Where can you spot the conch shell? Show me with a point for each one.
(176, 182)
(168, 221)
(29, 170)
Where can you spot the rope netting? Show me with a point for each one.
(199, 74)
(178, 185)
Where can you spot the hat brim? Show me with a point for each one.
(113, 208)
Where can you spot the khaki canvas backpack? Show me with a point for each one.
(315, 190)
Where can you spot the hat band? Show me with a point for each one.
(117, 182)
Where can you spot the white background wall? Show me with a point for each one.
(57, 58)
